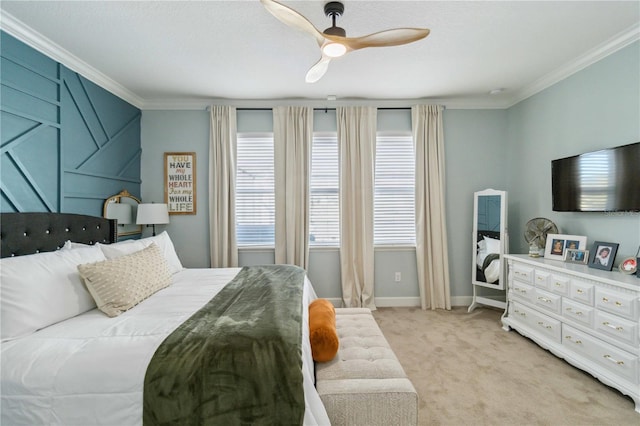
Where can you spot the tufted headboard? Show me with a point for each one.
(29, 233)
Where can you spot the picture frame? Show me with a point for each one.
(557, 244)
(180, 182)
(629, 266)
(576, 256)
(603, 255)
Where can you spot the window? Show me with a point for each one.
(255, 193)
(324, 204)
(394, 198)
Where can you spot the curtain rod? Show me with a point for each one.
(315, 109)
(325, 109)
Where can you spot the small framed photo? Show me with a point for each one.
(629, 265)
(603, 255)
(576, 256)
(557, 244)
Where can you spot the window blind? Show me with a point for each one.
(255, 190)
(324, 205)
(394, 197)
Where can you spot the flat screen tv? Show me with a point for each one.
(600, 181)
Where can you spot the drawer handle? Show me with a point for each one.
(541, 324)
(617, 328)
(540, 279)
(519, 313)
(558, 284)
(579, 291)
(618, 304)
(609, 358)
(544, 299)
(604, 299)
(577, 342)
(576, 313)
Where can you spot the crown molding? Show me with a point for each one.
(480, 102)
(32, 38)
(619, 41)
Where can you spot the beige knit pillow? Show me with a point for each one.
(119, 284)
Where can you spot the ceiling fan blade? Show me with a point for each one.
(393, 37)
(316, 72)
(292, 18)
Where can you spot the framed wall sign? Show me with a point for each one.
(180, 182)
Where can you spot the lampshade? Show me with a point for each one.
(121, 212)
(152, 214)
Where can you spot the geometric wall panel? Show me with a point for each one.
(66, 144)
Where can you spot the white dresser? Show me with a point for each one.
(589, 317)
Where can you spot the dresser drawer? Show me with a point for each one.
(541, 278)
(624, 330)
(559, 285)
(536, 321)
(522, 291)
(523, 273)
(619, 362)
(548, 300)
(581, 291)
(578, 312)
(625, 305)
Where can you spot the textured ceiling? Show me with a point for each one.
(164, 53)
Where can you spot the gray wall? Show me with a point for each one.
(509, 149)
(599, 107)
(475, 157)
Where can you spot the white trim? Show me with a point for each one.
(30, 37)
(404, 302)
(618, 42)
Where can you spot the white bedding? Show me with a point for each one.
(90, 369)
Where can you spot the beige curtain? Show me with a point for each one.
(222, 187)
(357, 147)
(292, 136)
(431, 227)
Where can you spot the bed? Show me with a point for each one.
(488, 257)
(90, 368)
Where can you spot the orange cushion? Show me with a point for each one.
(322, 330)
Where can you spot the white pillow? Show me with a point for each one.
(42, 289)
(166, 247)
(163, 241)
(122, 248)
(482, 254)
(70, 245)
(493, 245)
(119, 284)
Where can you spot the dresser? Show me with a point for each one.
(588, 317)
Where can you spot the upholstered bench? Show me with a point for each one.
(365, 384)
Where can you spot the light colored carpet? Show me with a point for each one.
(469, 371)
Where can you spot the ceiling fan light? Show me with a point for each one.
(334, 50)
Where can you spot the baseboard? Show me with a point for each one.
(390, 302)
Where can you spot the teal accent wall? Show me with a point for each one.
(66, 143)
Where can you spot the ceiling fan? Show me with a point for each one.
(333, 41)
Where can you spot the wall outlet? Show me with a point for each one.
(398, 277)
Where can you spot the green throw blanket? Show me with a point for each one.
(238, 360)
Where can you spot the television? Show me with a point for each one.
(600, 181)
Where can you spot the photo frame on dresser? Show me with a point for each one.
(603, 255)
(558, 244)
(576, 256)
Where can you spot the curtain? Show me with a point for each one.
(292, 137)
(357, 149)
(431, 228)
(222, 187)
